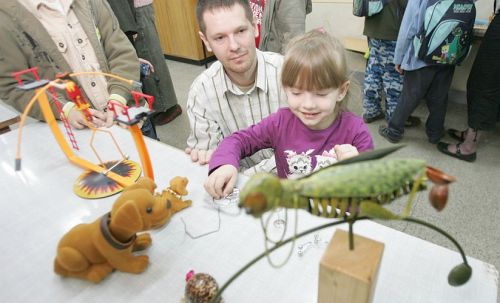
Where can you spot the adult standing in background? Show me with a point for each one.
(238, 90)
(483, 95)
(382, 32)
(158, 83)
(137, 21)
(279, 21)
(124, 11)
(60, 36)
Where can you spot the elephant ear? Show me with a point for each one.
(178, 184)
(128, 217)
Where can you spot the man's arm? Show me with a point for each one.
(205, 133)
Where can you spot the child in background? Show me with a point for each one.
(314, 132)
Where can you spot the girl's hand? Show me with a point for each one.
(221, 181)
(345, 151)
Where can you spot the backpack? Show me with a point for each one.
(367, 8)
(447, 32)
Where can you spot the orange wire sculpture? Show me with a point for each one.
(122, 116)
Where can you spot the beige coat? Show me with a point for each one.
(26, 44)
(283, 20)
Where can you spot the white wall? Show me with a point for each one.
(337, 18)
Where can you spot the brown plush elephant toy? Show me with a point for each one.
(92, 251)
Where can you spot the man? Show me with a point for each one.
(59, 36)
(237, 91)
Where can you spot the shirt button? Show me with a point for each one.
(80, 41)
(92, 84)
(70, 26)
(83, 57)
(61, 44)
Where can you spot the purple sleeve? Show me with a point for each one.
(363, 140)
(244, 143)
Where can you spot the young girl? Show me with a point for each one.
(315, 131)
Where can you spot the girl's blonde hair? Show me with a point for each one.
(315, 61)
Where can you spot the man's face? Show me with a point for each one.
(231, 37)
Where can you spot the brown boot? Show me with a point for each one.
(167, 116)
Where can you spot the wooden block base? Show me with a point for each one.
(349, 275)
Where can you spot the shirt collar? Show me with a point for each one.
(260, 78)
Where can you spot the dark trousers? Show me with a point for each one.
(158, 84)
(483, 85)
(149, 130)
(432, 84)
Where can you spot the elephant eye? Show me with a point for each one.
(149, 210)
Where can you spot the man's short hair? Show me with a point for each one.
(209, 5)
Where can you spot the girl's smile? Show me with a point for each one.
(316, 109)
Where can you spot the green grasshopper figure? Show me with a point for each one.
(357, 186)
(353, 188)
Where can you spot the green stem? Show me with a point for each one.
(351, 222)
(439, 230)
(278, 245)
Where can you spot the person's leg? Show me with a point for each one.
(372, 85)
(415, 85)
(483, 96)
(437, 102)
(148, 129)
(158, 84)
(391, 79)
(483, 85)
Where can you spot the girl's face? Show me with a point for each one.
(316, 109)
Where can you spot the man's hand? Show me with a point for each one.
(199, 155)
(345, 151)
(99, 119)
(221, 181)
(399, 69)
